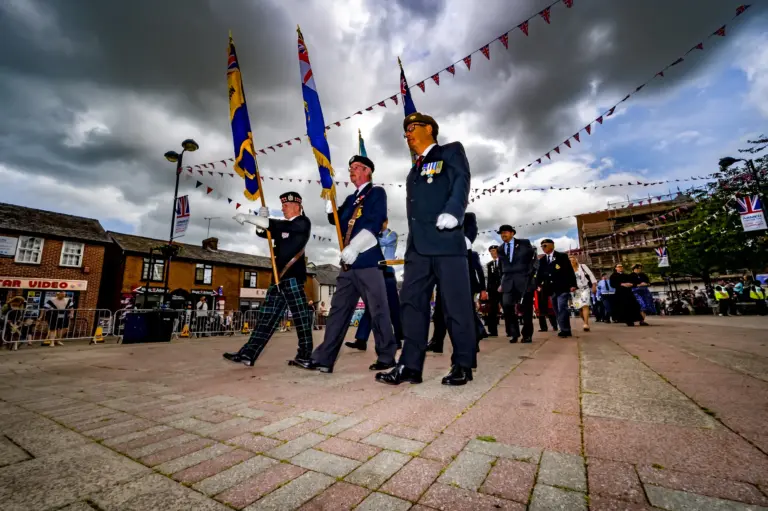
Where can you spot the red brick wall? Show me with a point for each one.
(93, 258)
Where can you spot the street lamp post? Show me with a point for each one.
(172, 156)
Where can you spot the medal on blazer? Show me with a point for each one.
(557, 266)
(431, 169)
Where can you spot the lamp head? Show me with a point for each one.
(727, 162)
(172, 156)
(190, 145)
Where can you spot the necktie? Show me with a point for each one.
(419, 161)
(509, 251)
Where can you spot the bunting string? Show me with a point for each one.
(576, 137)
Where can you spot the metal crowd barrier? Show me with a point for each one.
(52, 327)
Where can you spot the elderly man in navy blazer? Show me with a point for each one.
(361, 217)
(437, 192)
(518, 263)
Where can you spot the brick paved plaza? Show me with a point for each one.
(674, 416)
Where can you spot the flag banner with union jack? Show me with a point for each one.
(751, 212)
(663, 255)
(182, 215)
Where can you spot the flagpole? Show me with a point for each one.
(269, 236)
(336, 221)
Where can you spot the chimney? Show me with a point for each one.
(211, 244)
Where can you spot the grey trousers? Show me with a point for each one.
(351, 285)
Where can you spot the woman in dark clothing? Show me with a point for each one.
(641, 291)
(627, 308)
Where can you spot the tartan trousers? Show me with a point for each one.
(288, 293)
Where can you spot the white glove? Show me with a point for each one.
(328, 207)
(469, 243)
(264, 211)
(360, 243)
(446, 221)
(242, 218)
(259, 221)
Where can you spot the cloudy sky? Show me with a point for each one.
(93, 93)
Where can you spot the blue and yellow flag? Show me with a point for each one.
(245, 154)
(361, 145)
(315, 122)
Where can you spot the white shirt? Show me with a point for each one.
(360, 188)
(296, 216)
(426, 151)
(511, 245)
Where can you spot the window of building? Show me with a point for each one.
(203, 274)
(72, 254)
(250, 279)
(158, 270)
(29, 250)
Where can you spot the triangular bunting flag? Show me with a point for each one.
(209, 189)
(394, 98)
(421, 86)
(436, 78)
(505, 40)
(740, 9)
(210, 173)
(568, 3)
(237, 205)
(538, 161)
(337, 123)
(468, 61)
(610, 112)
(200, 172)
(486, 51)
(576, 137)
(288, 142)
(720, 31)
(198, 184)
(273, 149)
(297, 139)
(229, 201)
(548, 156)
(557, 149)
(545, 14)
(568, 143)
(600, 119)
(451, 69)
(224, 162)
(625, 98)
(588, 128)
(676, 62)
(262, 151)
(524, 27)
(280, 146)
(369, 108)
(381, 103)
(660, 74)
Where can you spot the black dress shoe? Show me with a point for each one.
(381, 366)
(358, 345)
(434, 347)
(564, 334)
(304, 363)
(247, 361)
(233, 357)
(398, 375)
(513, 340)
(527, 339)
(458, 376)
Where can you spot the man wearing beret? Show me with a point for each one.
(492, 294)
(361, 216)
(437, 192)
(290, 237)
(518, 263)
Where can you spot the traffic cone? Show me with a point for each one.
(245, 329)
(98, 336)
(184, 331)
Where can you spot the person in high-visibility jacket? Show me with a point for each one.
(757, 294)
(723, 298)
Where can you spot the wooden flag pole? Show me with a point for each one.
(269, 236)
(336, 221)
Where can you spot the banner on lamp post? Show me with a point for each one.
(663, 256)
(182, 215)
(751, 213)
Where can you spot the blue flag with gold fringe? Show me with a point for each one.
(245, 154)
(361, 145)
(315, 122)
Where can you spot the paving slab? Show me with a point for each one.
(294, 447)
(448, 498)
(675, 500)
(255, 487)
(549, 498)
(79, 506)
(414, 479)
(325, 463)
(500, 450)
(254, 443)
(64, 477)
(280, 425)
(223, 480)
(154, 492)
(212, 467)
(468, 470)
(444, 448)
(382, 502)
(394, 443)
(339, 497)
(294, 494)
(320, 416)
(41, 436)
(563, 471)
(179, 464)
(615, 480)
(348, 449)
(511, 480)
(10, 453)
(298, 430)
(340, 425)
(375, 472)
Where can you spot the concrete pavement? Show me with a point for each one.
(673, 416)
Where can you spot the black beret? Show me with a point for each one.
(493, 247)
(422, 119)
(547, 240)
(362, 159)
(506, 227)
(290, 197)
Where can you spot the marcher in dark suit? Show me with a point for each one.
(476, 284)
(557, 279)
(437, 193)
(518, 265)
(290, 237)
(361, 216)
(493, 295)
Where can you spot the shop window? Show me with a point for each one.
(250, 279)
(203, 274)
(72, 254)
(158, 270)
(30, 250)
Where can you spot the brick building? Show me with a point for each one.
(628, 234)
(227, 280)
(42, 252)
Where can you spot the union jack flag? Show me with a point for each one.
(661, 251)
(182, 207)
(748, 205)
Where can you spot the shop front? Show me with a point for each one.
(36, 292)
(212, 298)
(251, 298)
(148, 297)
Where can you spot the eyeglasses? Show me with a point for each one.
(357, 166)
(412, 127)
